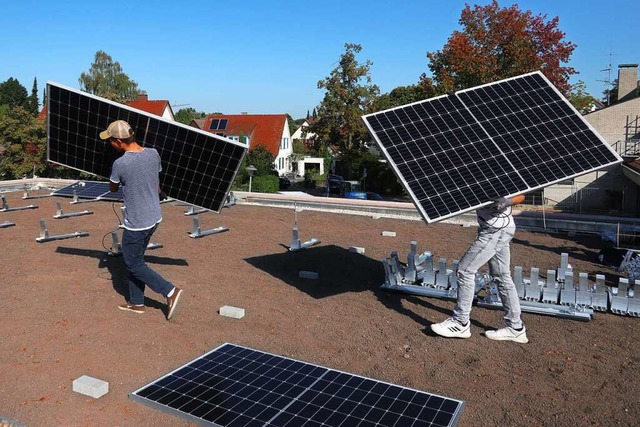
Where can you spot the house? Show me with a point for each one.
(160, 108)
(307, 163)
(303, 134)
(268, 130)
(616, 190)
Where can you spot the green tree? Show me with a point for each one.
(33, 103)
(400, 96)
(13, 94)
(349, 94)
(107, 79)
(263, 178)
(293, 126)
(497, 43)
(580, 99)
(187, 115)
(261, 159)
(23, 138)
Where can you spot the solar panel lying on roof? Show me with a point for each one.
(237, 386)
(197, 167)
(458, 152)
(96, 190)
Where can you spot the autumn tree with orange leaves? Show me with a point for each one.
(496, 43)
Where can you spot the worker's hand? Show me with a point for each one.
(502, 203)
(163, 195)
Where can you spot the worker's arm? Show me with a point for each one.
(516, 200)
(113, 186)
(503, 202)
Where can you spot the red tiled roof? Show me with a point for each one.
(262, 129)
(199, 123)
(156, 107)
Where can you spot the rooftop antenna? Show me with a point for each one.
(607, 81)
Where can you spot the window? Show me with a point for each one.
(285, 143)
(218, 124)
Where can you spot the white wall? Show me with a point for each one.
(283, 160)
(310, 160)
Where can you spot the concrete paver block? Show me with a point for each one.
(235, 312)
(90, 386)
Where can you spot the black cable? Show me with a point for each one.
(500, 216)
(113, 207)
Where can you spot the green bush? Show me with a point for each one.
(265, 184)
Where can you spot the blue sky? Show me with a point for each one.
(267, 56)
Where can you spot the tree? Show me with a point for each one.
(293, 126)
(261, 159)
(349, 94)
(106, 79)
(23, 138)
(13, 94)
(497, 43)
(580, 99)
(400, 96)
(34, 104)
(187, 115)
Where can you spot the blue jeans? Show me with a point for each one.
(491, 247)
(134, 244)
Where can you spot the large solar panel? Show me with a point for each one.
(237, 386)
(458, 152)
(94, 190)
(198, 167)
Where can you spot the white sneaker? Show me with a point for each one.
(508, 334)
(451, 328)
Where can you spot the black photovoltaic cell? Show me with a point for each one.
(235, 386)
(98, 190)
(458, 152)
(197, 167)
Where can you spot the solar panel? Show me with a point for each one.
(198, 167)
(458, 152)
(238, 386)
(98, 190)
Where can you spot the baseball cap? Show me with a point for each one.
(118, 129)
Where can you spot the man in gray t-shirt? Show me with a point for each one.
(137, 172)
(496, 228)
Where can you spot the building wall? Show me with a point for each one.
(610, 122)
(627, 81)
(307, 161)
(167, 114)
(283, 159)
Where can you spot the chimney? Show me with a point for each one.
(627, 81)
(142, 97)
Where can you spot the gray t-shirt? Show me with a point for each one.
(138, 175)
(490, 217)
